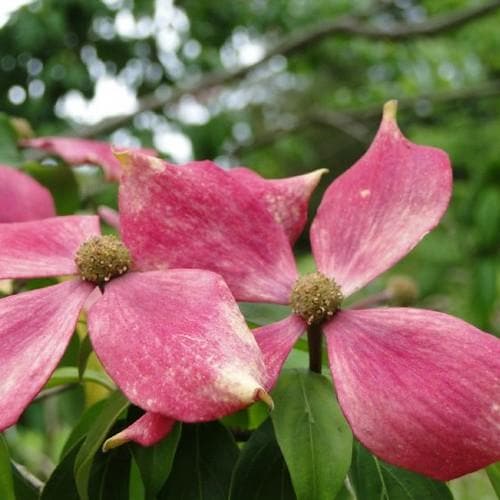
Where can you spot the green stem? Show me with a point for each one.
(314, 340)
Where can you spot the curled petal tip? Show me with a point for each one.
(390, 109)
(114, 442)
(124, 158)
(262, 395)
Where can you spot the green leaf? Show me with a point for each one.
(312, 433)
(261, 472)
(61, 182)
(83, 355)
(373, 478)
(114, 406)
(203, 464)
(25, 489)
(9, 153)
(155, 462)
(6, 482)
(83, 426)
(70, 375)
(61, 483)
(494, 475)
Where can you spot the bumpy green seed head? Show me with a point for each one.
(316, 298)
(102, 258)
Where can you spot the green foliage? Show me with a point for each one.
(312, 434)
(373, 478)
(6, 482)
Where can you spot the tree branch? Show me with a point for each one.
(346, 25)
(350, 121)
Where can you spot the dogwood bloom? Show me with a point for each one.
(420, 389)
(22, 198)
(76, 151)
(174, 341)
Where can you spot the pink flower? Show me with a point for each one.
(22, 198)
(421, 389)
(76, 151)
(174, 341)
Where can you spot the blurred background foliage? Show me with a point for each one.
(283, 87)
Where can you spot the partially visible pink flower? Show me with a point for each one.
(420, 389)
(22, 198)
(76, 151)
(174, 341)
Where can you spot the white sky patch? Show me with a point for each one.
(7, 7)
(111, 98)
(175, 144)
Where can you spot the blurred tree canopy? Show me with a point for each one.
(284, 87)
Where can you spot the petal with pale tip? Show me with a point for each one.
(420, 389)
(378, 210)
(22, 198)
(286, 199)
(199, 216)
(47, 247)
(35, 329)
(176, 344)
(146, 431)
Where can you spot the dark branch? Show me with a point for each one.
(346, 25)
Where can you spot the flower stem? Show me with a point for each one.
(315, 344)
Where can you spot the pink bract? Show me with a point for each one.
(22, 198)
(76, 151)
(419, 388)
(174, 341)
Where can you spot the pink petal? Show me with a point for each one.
(44, 248)
(22, 198)
(276, 340)
(146, 431)
(420, 389)
(198, 216)
(378, 210)
(79, 151)
(110, 216)
(35, 328)
(176, 343)
(286, 199)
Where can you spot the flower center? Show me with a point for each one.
(102, 258)
(316, 298)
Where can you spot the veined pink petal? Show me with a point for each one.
(35, 328)
(176, 343)
(198, 216)
(276, 340)
(110, 216)
(146, 431)
(378, 210)
(286, 199)
(420, 389)
(79, 151)
(22, 198)
(44, 248)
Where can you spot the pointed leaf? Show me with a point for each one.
(372, 478)
(494, 475)
(312, 433)
(203, 464)
(261, 472)
(83, 462)
(155, 462)
(6, 481)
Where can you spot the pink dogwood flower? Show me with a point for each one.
(420, 389)
(76, 151)
(174, 341)
(22, 198)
